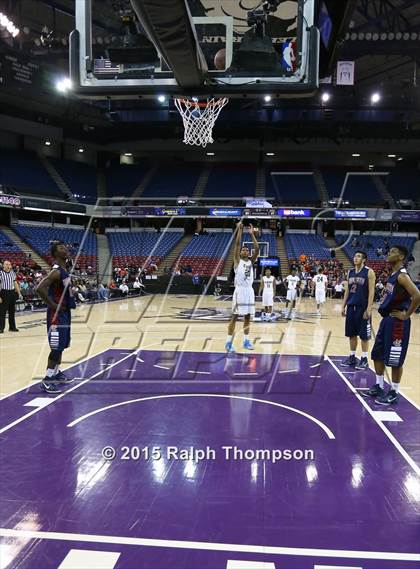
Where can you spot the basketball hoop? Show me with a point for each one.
(199, 118)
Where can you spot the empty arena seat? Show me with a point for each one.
(123, 179)
(269, 238)
(137, 248)
(231, 181)
(40, 238)
(370, 244)
(292, 189)
(24, 171)
(11, 252)
(80, 178)
(309, 244)
(404, 183)
(172, 181)
(360, 188)
(205, 254)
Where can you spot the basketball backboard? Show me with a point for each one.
(280, 57)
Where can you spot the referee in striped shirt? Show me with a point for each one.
(9, 291)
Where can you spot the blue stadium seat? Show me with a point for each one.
(231, 181)
(360, 189)
(80, 178)
(294, 188)
(371, 243)
(40, 238)
(309, 244)
(269, 238)
(173, 181)
(205, 254)
(24, 171)
(134, 248)
(404, 183)
(122, 180)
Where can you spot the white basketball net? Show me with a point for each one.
(199, 120)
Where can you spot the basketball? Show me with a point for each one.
(220, 60)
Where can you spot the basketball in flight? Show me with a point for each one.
(220, 60)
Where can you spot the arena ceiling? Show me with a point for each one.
(382, 36)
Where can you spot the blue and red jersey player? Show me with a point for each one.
(400, 299)
(357, 308)
(56, 291)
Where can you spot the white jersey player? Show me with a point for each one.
(268, 289)
(243, 302)
(320, 283)
(292, 282)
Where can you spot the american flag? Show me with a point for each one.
(103, 66)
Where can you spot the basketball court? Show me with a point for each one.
(153, 381)
(166, 452)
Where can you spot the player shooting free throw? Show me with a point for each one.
(243, 302)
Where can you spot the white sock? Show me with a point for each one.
(56, 369)
(352, 353)
(380, 381)
(246, 338)
(229, 338)
(50, 372)
(364, 355)
(395, 386)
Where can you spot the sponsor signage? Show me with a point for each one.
(171, 211)
(294, 212)
(350, 213)
(407, 215)
(257, 203)
(225, 212)
(12, 201)
(269, 261)
(135, 211)
(260, 212)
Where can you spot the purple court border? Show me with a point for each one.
(318, 387)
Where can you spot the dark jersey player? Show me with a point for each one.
(357, 308)
(55, 290)
(400, 300)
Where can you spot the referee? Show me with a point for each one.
(9, 291)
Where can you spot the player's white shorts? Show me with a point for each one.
(291, 294)
(243, 301)
(320, 296)
(267, 298)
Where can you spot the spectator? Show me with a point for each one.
(124, 289)
(339, 290)
(102, 293)
(217, 290)
(138, 285)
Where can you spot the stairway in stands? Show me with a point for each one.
(414, 268)
(202, 182)
(144, 182)
(260, 183)
(61, 184)
(229, 258)
(104, 259)
(320, 186)
(383, 191)
(170, 259)
(282, 254)
(339, 253)
(101, 184)
(25, 248)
